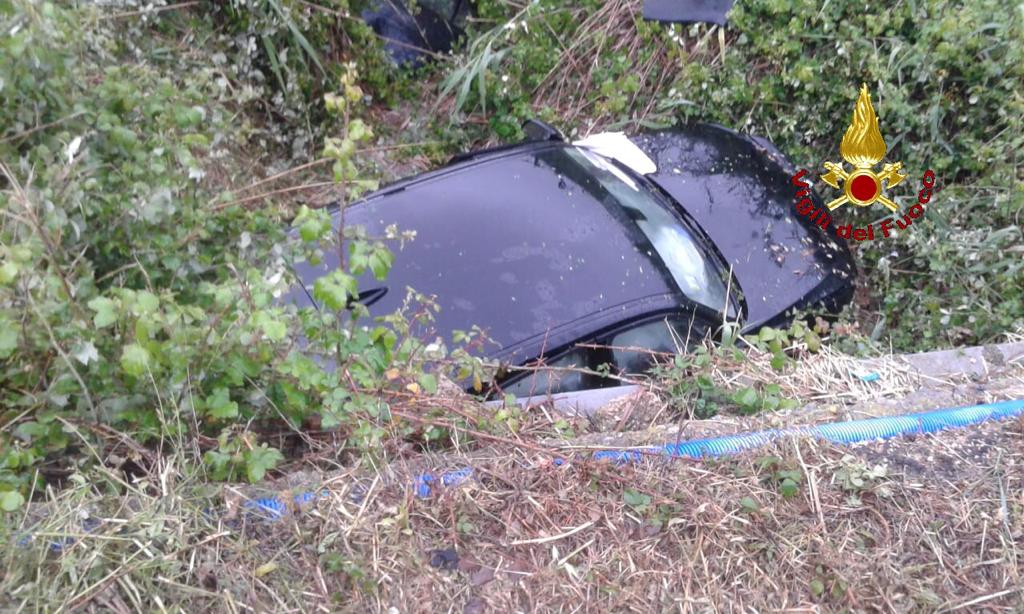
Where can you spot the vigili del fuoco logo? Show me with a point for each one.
(863, 148)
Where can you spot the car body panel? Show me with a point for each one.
(516, 243)
(740, 193)
(531, 249)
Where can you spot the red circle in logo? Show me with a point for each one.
(863, 188)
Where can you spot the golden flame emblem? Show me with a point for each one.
(863, 147)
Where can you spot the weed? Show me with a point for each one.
(774, 471)
(856, 478)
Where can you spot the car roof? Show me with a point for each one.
(521, 242)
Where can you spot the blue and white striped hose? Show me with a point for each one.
(853, 431)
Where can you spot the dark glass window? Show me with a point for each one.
(626, 351)
(555, 377)
(671, 335)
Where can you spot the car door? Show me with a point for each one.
(627, 349)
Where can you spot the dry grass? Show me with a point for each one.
(934, 524)
(575, 89)
(940, 531)
(827, 385)
(612, 32)
(608, 32)
(830, 374)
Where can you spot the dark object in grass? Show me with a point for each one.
(554, 248)
(447, 559)
(687, 11)
(412, 40)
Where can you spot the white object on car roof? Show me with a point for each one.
(617, 145)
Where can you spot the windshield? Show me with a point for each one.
(686, 260)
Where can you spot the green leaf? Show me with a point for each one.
(789, 488)
(817, 587)
(746, 398)
(275, 65)
(310, 230)
(219, 404)
(146, 302)
(8, 271)
(8, 338)
(84, 352)
(778, 361)
(749, 505)
(358, 131)
(259, 460)
(106, 311)
(134, 360)
(380, 262)
(334, 289)
(275, 330)
(187, 117)
(428, 381)
(813, 341)
(636, 500)
(11, 500)
(219, 463)
(29, 431)
(296, 34)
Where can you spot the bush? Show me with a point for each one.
(135, 300)
(944, 77)
(290, 53)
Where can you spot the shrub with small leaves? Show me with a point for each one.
(136, 299)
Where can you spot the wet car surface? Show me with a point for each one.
(546, 245)
(738, 190)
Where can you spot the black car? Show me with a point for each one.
(546, 245)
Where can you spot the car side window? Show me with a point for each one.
(668, 334)
(555, 377)
(625, 352)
